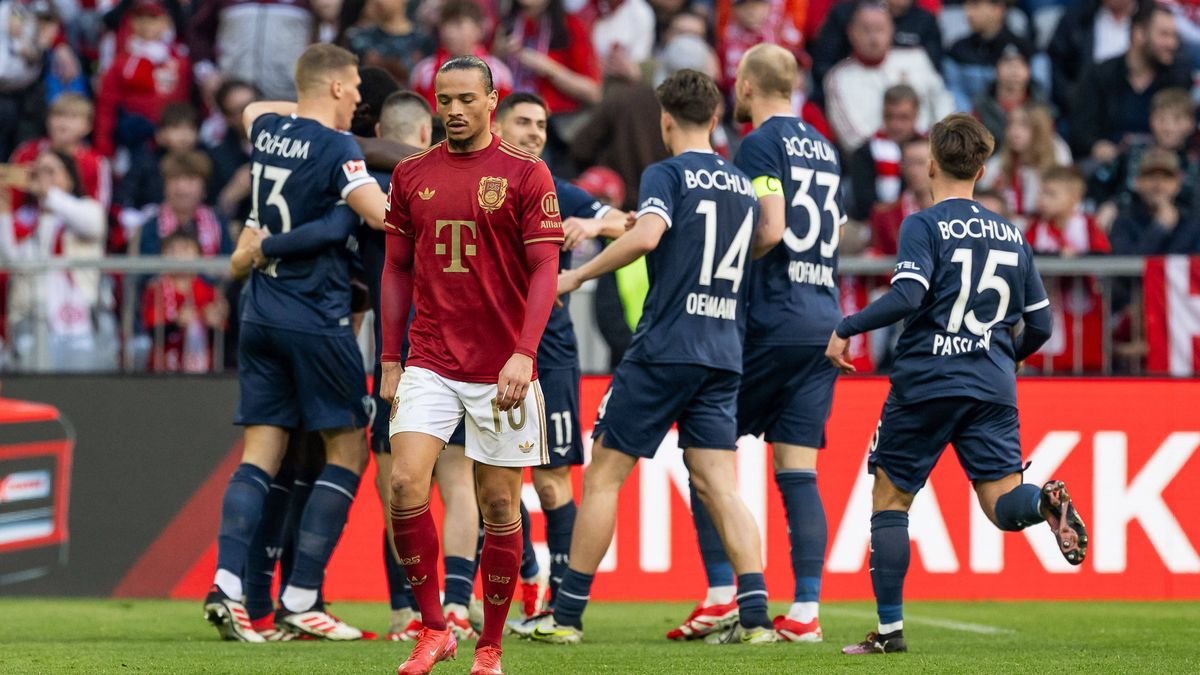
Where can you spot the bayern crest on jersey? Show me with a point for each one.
(491, 192)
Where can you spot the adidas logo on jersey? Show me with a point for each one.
(526, 447)
(426, 194)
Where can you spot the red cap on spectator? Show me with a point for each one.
(602, 182)
(148, 8)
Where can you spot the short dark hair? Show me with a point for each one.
(960, 144)
(1173, 100)
(517, 98)
(1065, 174)
(470, 62)
(183, 235)
(901, 93)
(228, 87)
(454, 10)
(377, 85)
(319, 61)
(179, 114)
(1145, 14)
(689, 96)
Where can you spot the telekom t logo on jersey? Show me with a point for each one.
(458, 248)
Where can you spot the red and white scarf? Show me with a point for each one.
(886, 154)
(1074, 235)
(208, 228)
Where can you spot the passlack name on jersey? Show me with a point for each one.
(945, 344)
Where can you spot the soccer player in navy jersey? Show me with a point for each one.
(694, 225)
(787, 383)
(964, 277)
(521, 119)
(300, 367)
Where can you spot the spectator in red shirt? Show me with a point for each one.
(150, 71)
(751, 22)
(550, 52)
(180, 311)
(460, 33)
(1063, 229)
(67, 126)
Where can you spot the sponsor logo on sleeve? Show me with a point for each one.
(355, 169)
(550, 205)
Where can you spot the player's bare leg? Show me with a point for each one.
(413, 457)
(1012, 506)
(594, 527)
(796, 477)
(321, 526)
(455, 476)
(405, 622)
(889, 565)
(499, 492)
(263, 448)
(713, 473)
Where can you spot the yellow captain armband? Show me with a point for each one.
(767, 185)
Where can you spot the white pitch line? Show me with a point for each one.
(962, 626)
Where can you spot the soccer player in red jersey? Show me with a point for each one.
(475, 238)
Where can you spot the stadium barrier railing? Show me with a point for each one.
(124, 345)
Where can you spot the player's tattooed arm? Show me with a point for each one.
(771, 223)
(260, 108)
(578, 230)
(642, 238)
(382, 154)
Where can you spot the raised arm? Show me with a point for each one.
(259, 108)
(332, 229)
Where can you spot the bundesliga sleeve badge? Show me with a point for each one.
(491, 192)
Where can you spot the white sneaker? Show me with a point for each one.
(319, 624)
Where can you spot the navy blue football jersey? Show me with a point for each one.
(299, 171)
(695, 309)
(558, 348)
(372, 252)
(793, 289)
(980, 279)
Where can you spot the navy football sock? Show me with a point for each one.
(752, 600)
(460, 580)
(320, 528)
(1019, 508)
(889, 565)
(717, 568)
(529, 562)
(241, 511)
(265, 548)
(560, 523)
(399, 593)
(573, 596)
(807, 530)
(302, 488)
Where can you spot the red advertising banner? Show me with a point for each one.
(1126, 448)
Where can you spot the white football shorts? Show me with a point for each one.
(431, 404)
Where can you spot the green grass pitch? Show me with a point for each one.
(110, 636)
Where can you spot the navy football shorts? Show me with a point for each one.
(560, 388)
(644, 400)
(911, 437)
(786, 394)
(381, 442)
(299, 380)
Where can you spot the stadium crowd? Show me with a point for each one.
(121, 122)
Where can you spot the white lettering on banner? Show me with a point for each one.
(926, 529)
(667, 470)
(987, 541)
(1183, 315)
(1118, 502)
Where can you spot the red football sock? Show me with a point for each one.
(416, 539)
(499, 565)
